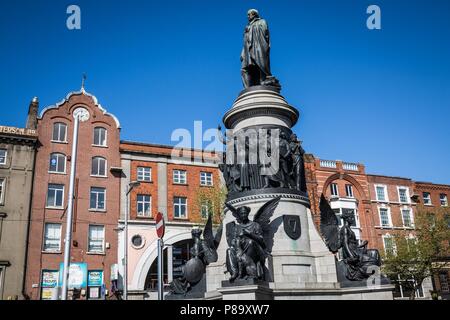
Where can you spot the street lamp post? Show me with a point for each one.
(79, 115)
(125, 252)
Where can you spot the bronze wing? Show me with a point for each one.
(329, 225)
(265, 213)
(209, 240)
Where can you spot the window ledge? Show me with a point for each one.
(94, 176)
(96, 253)
(144, 218)
(97, 210)
(62, 142)
(51, 252)
(206, 186)
(385, 227)
(99, 146)
(180, 184)
(55, 208)
(181, 219)
(144, 181)
(60, 173)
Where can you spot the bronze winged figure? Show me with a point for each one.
(247, 241)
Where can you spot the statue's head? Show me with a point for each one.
(196, 233)
(294, 137)
(252, 14)
(243, 213)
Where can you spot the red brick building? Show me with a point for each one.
(382, 206)
(345, 185)
(96, 200)
(171, 181)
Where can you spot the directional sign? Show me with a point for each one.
(160, 227)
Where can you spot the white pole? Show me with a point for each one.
(160, 270)
(68, 238)
(125, 250)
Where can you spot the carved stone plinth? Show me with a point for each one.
(247, 292)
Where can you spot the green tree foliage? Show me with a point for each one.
(214, 199)
(421, 253)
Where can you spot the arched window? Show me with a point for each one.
(57, 163)
(59, 132)
(100, 136)
(98, 167)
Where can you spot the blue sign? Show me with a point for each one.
(77, 275)
(95, 278)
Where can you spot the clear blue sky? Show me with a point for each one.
(381, 98)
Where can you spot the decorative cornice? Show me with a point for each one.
(287, 196)
(77, 93)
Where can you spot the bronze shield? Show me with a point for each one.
(292, 226)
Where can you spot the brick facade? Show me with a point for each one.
(40, 259)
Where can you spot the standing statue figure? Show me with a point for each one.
(249, 241)
(255, 56)
(298, 167)
(358, 263)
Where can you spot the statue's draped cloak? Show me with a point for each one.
(257, 46)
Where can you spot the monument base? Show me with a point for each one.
(330, 291)
(246, 292)
(305, 291)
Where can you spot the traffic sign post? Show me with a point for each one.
(160, 225)
(160, 230)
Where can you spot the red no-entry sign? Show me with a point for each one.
(160, 227)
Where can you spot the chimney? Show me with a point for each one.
(32, 114)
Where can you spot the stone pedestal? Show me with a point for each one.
(249, 291)
(299, 267)
(293, 260)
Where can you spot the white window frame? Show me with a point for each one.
(48, 191)
(388, 214)
(2, 190)
(444, 273)
(445, 198)
(417, 293)
(386, 196)
(411, 218)
(98, 167)
(204, 179)
(5, 157)
(349, 187)
(45, 237)
(334, 187)
(429, 198)
(177, 176)
(89, 239)
(143, 202)
(59, 132)
(57, 162)
(180, 205)
(408, 199)
(394, 247)
(142, 176)
(96, 202)
(106, 138)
